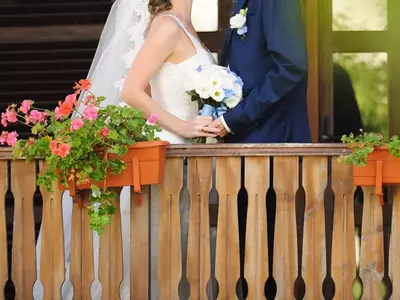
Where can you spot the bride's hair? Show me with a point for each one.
(158, 6)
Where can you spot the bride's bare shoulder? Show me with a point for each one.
(164, 27)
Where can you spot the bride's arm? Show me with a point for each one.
(160, 44)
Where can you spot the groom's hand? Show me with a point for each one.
(217, 123)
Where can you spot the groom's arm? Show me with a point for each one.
(283, 30)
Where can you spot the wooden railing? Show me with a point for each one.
(309, 233)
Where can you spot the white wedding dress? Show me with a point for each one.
(168, 89)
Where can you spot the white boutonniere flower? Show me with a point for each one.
(238, 23)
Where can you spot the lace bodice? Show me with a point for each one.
(168, 87)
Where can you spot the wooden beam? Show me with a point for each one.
(309, 13)
(393, 68)
(360, 41)
(325, 67)
(40, 34)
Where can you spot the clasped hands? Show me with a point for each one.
(202, 126)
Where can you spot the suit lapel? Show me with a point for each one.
(229, 31)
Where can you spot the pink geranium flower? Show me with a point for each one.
(76, 124)
(9, 138)
(152, 120)
(58, 113)
(11, 116)
(4, 120)
(36, 116)
(90, 113)
(26, 106)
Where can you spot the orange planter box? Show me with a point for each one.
(145, 166)
(382, 168)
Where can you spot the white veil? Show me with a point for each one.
(120, 41)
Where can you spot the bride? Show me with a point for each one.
(146, 53)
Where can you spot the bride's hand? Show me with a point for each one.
(198, 127)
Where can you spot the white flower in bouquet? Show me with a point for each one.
(216, 88)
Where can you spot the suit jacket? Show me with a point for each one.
(272, 61)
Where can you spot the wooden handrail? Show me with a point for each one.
(220, 150)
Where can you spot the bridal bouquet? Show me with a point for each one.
(216, 88)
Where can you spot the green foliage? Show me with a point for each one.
(364, 144)
(88, 153)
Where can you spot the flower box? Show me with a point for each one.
(382, 168)
(144, 166)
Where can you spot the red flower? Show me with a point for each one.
(83, 85)
(64, 150)
(65, 108)
(104, 132)
(71, 98)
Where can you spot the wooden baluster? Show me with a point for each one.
(227, 265)
(343, 247)
(286, 183)
(23, 186)
(394, 265)
(110, 255)
(52, 268)
(256, 253)
(371, 259)
(169, 250)
(3, 228)
(140, 248)
(198, 262)
(81, 259)
(314, 182)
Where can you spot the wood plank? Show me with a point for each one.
(140, 247)
(110, 255)
(394, 262)
(198, 261)
(256, 253)
(286, 183)
(314, 182)
(371, 258)
(81, 261)
(227, 265)
(169, 260)
(343, 247)
(52, 268)
(23, 186)
(3, 228)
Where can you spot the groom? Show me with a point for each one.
(265, 46)
(267, 50)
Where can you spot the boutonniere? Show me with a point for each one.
(238, 23)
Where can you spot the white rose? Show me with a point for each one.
(232, 102)
(237, 21)
(237, 89)
(203, 92)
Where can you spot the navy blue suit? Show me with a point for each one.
(272, 61)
